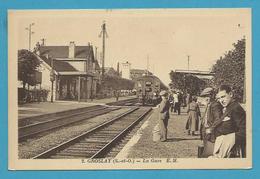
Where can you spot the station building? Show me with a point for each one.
(73, 70)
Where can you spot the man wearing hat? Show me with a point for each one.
(164, 107)
(212, 114)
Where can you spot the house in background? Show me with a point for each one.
(125, 70)
(110, 71)
(73, 69)
(132, 74)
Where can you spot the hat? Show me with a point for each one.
(163, 93)
(194, 98)
(207, 91)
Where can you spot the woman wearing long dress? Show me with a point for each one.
(193, 116)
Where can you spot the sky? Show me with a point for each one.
(158, 39)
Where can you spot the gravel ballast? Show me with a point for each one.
(39, 144)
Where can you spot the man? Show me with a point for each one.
(211, 115)
(171, 100)
(177, 102)
(231, 131)
(175, 99)
(179, 96)
(164, 115)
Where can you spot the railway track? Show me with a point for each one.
(46, 123)
(97, 142)
(46, 117)
(126, 102)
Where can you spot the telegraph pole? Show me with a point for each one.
(188, 63)
(96, 53)
(30, 32)
(104, 35)
(147, 65)
(43, 41)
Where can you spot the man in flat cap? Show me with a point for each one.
(212, 114)
(164, 107)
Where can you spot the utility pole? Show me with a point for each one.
(96, 53)
(147, 66)
(188, 63)
(43, 41)
(104, 35)
(30, 32)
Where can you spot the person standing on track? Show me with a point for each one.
(164, 107)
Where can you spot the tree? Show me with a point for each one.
(27, 66)
(118, 83)
(187, 83)
(230, 69)
(178, 80)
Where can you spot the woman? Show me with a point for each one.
(193, 116)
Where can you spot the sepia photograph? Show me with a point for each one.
(129, 89)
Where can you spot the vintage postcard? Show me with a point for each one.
(130, 89)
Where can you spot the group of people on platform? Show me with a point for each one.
(176, 100)
(222, 126)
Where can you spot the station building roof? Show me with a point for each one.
(59, 66)
(63, 51)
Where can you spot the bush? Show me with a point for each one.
(34, 95)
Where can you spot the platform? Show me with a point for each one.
(36, 109)
(178, 145)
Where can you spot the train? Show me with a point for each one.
(147, 90)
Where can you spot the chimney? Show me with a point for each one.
(96, 54)
(37, 48)
(72, 50)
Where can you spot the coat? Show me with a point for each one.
(164, 109)
(163, 118)
(211, 117)
(193, 116)
(233, 120)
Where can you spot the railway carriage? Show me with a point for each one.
(147, 89)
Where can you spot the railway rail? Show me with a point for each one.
(126, 102)
(47, 123)
(97, 142)
(45, 117)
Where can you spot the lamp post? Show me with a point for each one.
(30, 32)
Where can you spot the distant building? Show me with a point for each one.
(137, 73)
(110, 71)
(125, 70)
(205, 75)
(76, 71)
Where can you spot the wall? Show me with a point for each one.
(46, 83)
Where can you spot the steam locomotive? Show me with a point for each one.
(148, 89)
